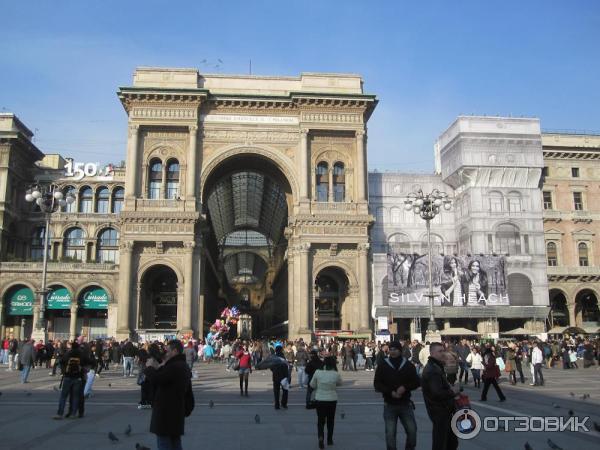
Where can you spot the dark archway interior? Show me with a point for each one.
(158, 303)
(331, 288)
(559, 313)
(246, 202)
(586, 303)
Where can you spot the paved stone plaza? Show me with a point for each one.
(27, 410)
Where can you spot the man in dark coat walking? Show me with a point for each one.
(439, 399)
(173, 398)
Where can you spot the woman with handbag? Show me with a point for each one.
(244, 368)
(491, 373)
(324, 382)
(475, 362)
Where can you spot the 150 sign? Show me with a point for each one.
(79, 170)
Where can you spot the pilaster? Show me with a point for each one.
(131, 180)
(124, 306)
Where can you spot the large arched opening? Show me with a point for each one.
(331, 290)
(158, 298)
(559, 312)
(586, 308)
(246, 200)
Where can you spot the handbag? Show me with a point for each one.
(236, 365)
(500, 363)
(311, 403)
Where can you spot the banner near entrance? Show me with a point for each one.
(94, 298)
(20, 302)
(457, 280)
(59, 298)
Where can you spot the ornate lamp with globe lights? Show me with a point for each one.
(49, 199)
(427, 206)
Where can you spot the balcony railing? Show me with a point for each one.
(35, 266)
(573, 270)
(335, 207)
(162, 203)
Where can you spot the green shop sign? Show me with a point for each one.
(20, 302)
(96, 298)
(59, 298)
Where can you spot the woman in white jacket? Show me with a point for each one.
(324, 382)
(476, 363)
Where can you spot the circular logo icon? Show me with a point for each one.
(466, 423)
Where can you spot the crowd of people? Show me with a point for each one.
(440, 369)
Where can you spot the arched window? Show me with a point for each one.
(37, 244)
(508, 239)
(551, 254)
(70, 207)
(496, 202)
(102, 200)
(108, 246)
(74, 244)
(86, 200)
(514, 202)
(322, 182)
(155, 179)
(583, 254)
(395, 215)
(399, 243)
(173, 179)
(118, 198)
(339, 183)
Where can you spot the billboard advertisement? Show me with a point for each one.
(461, 281)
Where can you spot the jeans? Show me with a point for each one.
(70, 386)
(301, 376)
(476, 376)
(486, 387)
(325, 413)
(87, 390)
(537, 374)
(3, 356)
(404, 412)
(284, 396)
(463, 370)
(12, 361)
(168, 442)
(25, 373)
(127, 365)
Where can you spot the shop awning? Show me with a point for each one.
(94, 298)
(20, 302)
(517, 332)
(574, 330)
(58, 298)
(591, 330)
(458, 332)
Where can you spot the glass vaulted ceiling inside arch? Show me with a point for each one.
(248, 212)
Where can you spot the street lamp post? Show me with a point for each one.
(427, 206)
(49, 199)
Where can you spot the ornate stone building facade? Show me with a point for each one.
(571, 200)
(238, 190)
(491, 168)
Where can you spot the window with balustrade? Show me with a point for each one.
(322, 182)
(339, 182)
(582, 250)
(155, 179)
(70, 207)
(108, 246)
(102, 200)
(578, 201)
(86, 200)
(74, 244)
(552, 254)
(37, 244)
(547, 195)
(508, 239)
(173, 179)
(118, 197)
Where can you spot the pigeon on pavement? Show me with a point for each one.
(211, 404)
(571, 412)
(257, 419)
(138, 446)
(554, 405)
(596, 426)
(527, 446)
(572, 394)
(112, 437)
(128, 430)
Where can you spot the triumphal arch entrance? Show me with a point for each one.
(245, 191)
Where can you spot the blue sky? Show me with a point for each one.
(427, 61)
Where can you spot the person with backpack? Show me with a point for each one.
(395, 378)
(173, 399)
(72, 363)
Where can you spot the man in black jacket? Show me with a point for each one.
(280, 373)
(395, 378)
(72, 364)
(173, 398)
(439, 399)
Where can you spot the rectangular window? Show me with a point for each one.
(87, 206)
(172, 190)
(547, 199)
(552, 261)
(154, 191)
(575, 172)
(338, 192)
(103, 206)
(577, 201)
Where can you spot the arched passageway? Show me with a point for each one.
(158, 298)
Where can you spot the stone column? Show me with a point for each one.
(202, 266)
(572, 315)
(36, 314)
(330, 180)
(2, 326)
(292, 315)
(180, 307)
(188, 285)
(361, 169)
(73, 322)
(131, 179)
(304, 179)
(124, 304)
(305, 293)
(363, 286)
(190, 179)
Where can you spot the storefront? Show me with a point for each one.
(58, 312)
(18, 304)
(92, 313)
